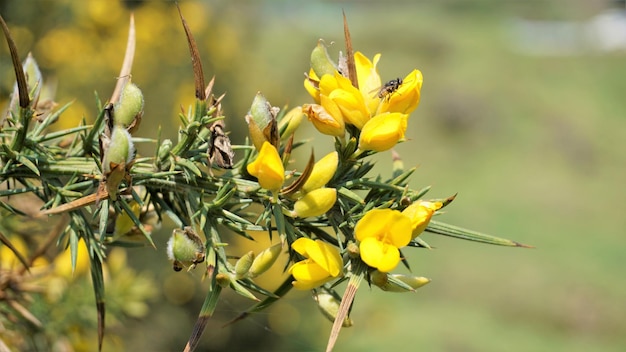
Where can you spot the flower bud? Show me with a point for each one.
(243, 265)
(117, 156)
(329, 306)
(165, 148)
(321, 62)
(383, 132)
(120, 149)
(265, 260)
(315, 203)
(322, 172)
(129, 108)
(397, 282)
(261, 121)
(268, 168)
(290, 122)
(185, 248)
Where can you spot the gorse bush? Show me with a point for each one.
(335, 220)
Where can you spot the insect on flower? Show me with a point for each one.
(389, 88)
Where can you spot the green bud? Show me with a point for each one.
(329, 306)
(321, 62)
(120, 149)
(185, 248)
(265, 260)
(397, 282)
(315, 203)
(165, 148)
(117, 156)
(243, 265)
(129, 108)
(261, 121)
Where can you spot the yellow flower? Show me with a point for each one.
(323, 263)
(383, 131)
(326, 122)
(406, 98)
(268, 168)
(420, 214)
(349, 100)
(63, 262)
(381, 232)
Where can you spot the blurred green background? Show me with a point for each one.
(525, 120)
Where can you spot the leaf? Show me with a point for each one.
(210, 302)
(127, 64)
(98, 288)
(20, 76)
(350, 54)
(282, 290)
(441, 228)
(198, 74)
(300, 181)
(136, 220)
(29, 164)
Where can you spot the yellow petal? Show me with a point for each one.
(379, 255)
(326, 256)
(268, 168)
(369, 79)
(310, 87)
(351, 105)
(301, 244)
(315, 203)
(407, 97)
(420, 214)
(323, 171)
(326, 118)
(383, 132)
(308, 275)
(385, 225)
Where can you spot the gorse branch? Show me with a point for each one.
(333, 220)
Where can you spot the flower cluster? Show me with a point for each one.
(379, 111)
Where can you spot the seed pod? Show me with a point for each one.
(185, 248)
(129, 109)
